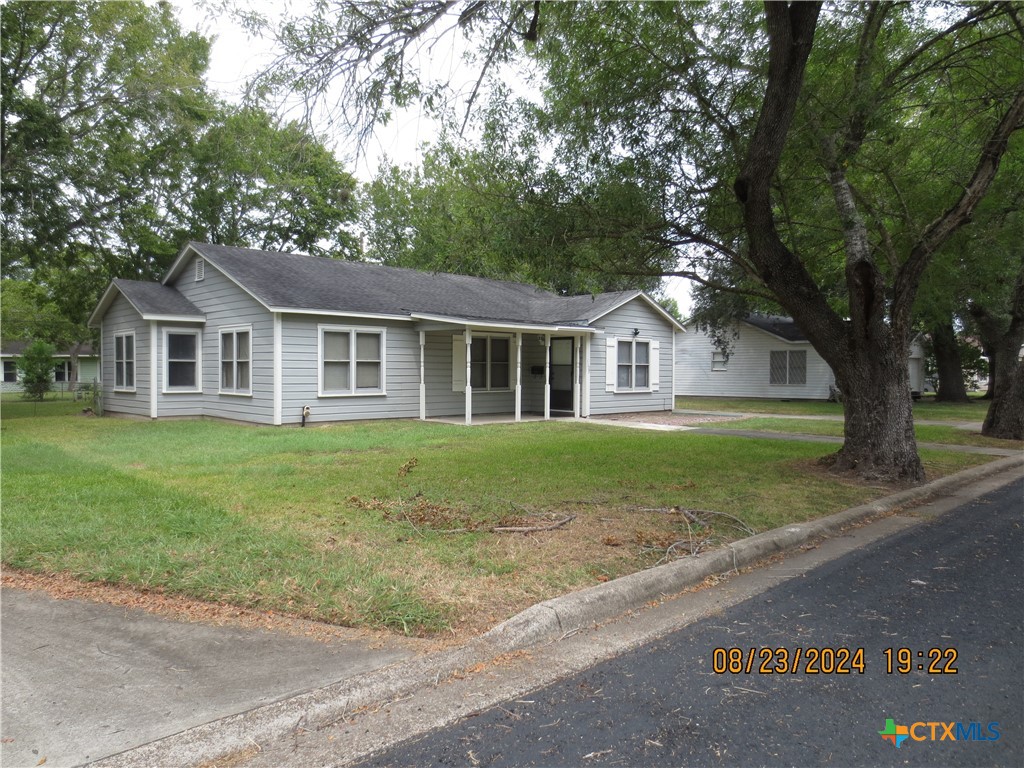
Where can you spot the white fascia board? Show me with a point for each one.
(179, 262)
(481, 325)
(174, 318)
(105, 301)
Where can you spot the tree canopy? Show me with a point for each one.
(114, 154)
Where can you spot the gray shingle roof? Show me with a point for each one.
(777, 325)
(156, 299)
(295, 281)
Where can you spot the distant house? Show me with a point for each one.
(770, 358)
(64, 374)
(266, 337)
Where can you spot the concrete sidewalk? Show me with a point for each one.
(82, 680)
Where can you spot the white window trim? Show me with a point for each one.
(488, 362)
(14, 367)
(719, 362)
(352, 331)
(135, 371)
(198, 389)
(233, 329)
(652, 361)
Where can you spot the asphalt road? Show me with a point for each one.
(953, 583)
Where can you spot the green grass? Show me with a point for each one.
(924, 409)
(926, 433)
(347, 523)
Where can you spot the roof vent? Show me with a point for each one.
(200, 269)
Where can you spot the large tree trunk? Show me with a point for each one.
(1005, 417)
(879, 416)
(868, 351)
(1004, 337)
(950, 367)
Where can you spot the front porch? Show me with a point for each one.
(490, 373)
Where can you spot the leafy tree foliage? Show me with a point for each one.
(36, 368)
(114, 154)
(814, 158)
(491, 214)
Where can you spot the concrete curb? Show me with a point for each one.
(554, 618)
(545, 622)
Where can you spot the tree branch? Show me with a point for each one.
(959, 214)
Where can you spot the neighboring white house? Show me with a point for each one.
(279, 338)
(64, 377)
(770, 358)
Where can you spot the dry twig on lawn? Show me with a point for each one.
(533, 528)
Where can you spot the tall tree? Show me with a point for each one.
(114, 154)
(499, 214)
(783, 141)
(260, 183)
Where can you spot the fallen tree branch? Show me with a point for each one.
(534, 528)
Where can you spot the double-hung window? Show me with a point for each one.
(10, 371)
(235, 360)
(124, 362)
(719, 362)
(182, 361)
(351, 361)
(489, 363)
(787, 368)
(62, 371)
(633, 365)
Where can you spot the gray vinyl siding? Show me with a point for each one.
(441, 400)
(300, 363)
(620, 323)
(225, 306)
(122, 318)
(747, 370)
(88, 370)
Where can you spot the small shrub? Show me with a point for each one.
(36, 368)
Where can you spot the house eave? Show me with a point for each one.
(340, 313)
(501, 325)
(174, 318)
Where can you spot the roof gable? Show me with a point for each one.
(152, 301)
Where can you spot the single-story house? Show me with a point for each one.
(769, 358)
(279, 338)
(65, 376)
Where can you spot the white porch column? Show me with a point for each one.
(469, 376)
(585, 384)
(519, 376)
(576, 376)
(423, 376)
(278, 370)
(154, 346)
(547, 376)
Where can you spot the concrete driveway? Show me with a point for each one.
(83, 680)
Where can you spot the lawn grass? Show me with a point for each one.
(926, 408)
(926, 433)
(383, 524)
